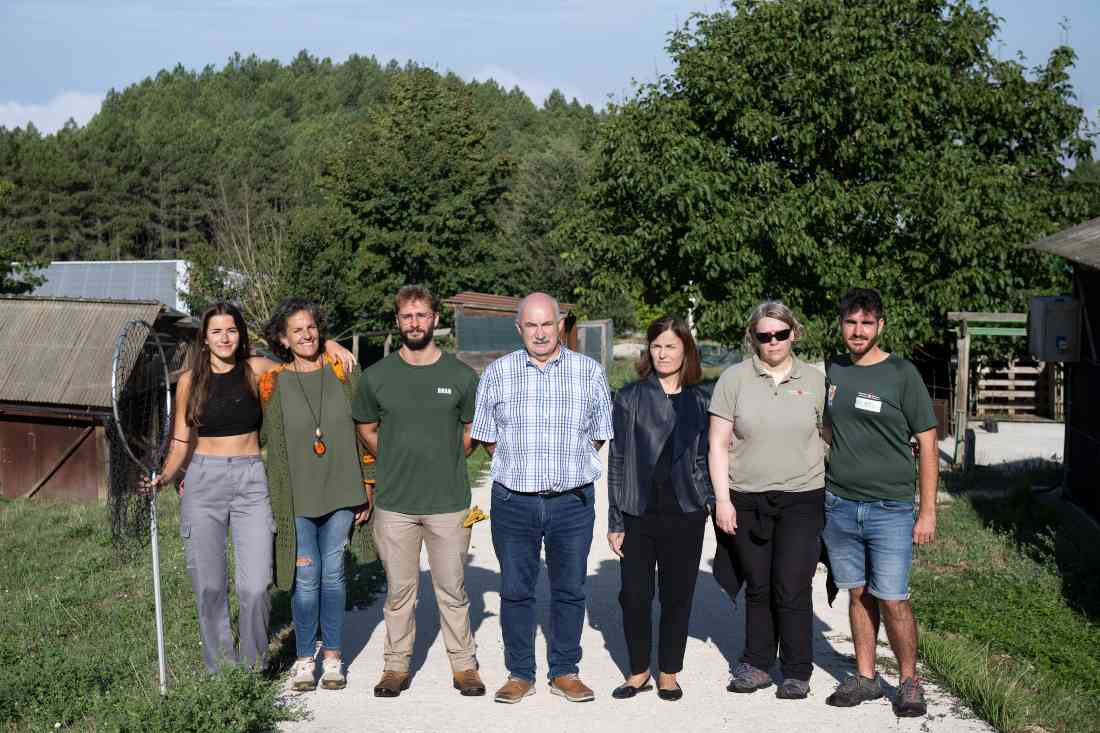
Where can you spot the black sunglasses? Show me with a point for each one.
(765, 338)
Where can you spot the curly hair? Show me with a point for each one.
(275, 328)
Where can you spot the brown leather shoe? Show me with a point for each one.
(469, 684)
(571, 688)
(392, 684)
(514, 690)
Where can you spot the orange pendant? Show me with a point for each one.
(319, 447)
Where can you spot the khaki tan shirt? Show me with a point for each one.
(777, 445)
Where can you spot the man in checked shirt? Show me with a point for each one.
(543, 412)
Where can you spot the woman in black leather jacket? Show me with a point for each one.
(659, 493)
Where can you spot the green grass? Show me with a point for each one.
(78, 640)
(1005, 621)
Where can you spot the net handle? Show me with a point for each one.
(116, 389)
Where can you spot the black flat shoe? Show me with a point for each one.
(671, 694)
(626, 690)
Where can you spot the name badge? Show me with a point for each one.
(443, 390)
(868, 403)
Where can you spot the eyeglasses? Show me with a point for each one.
(765, 338)
(409, 317)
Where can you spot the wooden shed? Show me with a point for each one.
(485, 327)
(55, 390)
(1081, 246)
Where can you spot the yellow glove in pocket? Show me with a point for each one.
(473, 516)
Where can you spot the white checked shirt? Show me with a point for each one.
(543, 421)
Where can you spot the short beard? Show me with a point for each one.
(870, 344)
(417, 344)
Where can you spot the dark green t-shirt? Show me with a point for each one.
(874, 411)
(422, 410)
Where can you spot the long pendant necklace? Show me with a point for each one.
(319, 447)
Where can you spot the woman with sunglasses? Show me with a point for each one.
(767, 465)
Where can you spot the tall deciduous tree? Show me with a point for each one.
(801, 147)
(419, 183)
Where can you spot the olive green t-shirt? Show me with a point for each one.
(321, 484)
(874, 411)
(776, 444)
(422, 411)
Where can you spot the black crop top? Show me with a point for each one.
(231, 406)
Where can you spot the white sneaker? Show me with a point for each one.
(333, 677)
(301, 676)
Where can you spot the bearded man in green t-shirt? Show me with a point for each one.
(875, 404)
(414, 410)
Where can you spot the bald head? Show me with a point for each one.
(537, 319)
(538, 300)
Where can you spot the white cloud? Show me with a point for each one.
(537, 89)
(52, 115)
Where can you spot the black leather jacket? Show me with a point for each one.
(644, 418)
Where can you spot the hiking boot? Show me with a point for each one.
(332, 674)
(793, 689)
(571, 688)
(747, 678)
(468, 683)
(853, 691)
(910, 701)
(302, 677)
(514, 690)
(392, 683)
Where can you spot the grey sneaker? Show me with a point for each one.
(910, 701)
(853, 691)
(747, 678)
(332, 674)
(302, 677)
(793, 689)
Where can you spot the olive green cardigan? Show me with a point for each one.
(277, 464)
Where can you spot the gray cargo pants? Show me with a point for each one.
(223, 493)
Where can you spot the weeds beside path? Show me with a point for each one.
(1009, 621)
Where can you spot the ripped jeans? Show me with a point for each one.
(319, 588)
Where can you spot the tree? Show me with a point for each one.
(419, 185)
(801, 147)
(16, 269)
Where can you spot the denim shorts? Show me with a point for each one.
(870, 543)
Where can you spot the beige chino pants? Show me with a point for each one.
(399, 538)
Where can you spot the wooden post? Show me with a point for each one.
(962, 384)
(355, 345)
(102, 451)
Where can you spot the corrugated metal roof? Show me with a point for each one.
(58, 351)
(485, 301)
(160, 280)
(1079, 244)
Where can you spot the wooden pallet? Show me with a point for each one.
(1011, 389)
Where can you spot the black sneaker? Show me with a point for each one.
(793, 689)
(853, 691)
(910, 701)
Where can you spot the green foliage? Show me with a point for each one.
(801, 147)
(16, 272)
(419, 182)
(375, 175)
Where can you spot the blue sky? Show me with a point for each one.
(59, 57)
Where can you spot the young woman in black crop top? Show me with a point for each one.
(216, 436)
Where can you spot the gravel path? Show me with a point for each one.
(715, 641)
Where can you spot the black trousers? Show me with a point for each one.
(673, 544)
(778, 543)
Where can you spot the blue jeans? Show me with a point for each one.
(521, 523)
(870, 544)
(319, 589)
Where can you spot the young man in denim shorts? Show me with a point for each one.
(875, 403)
